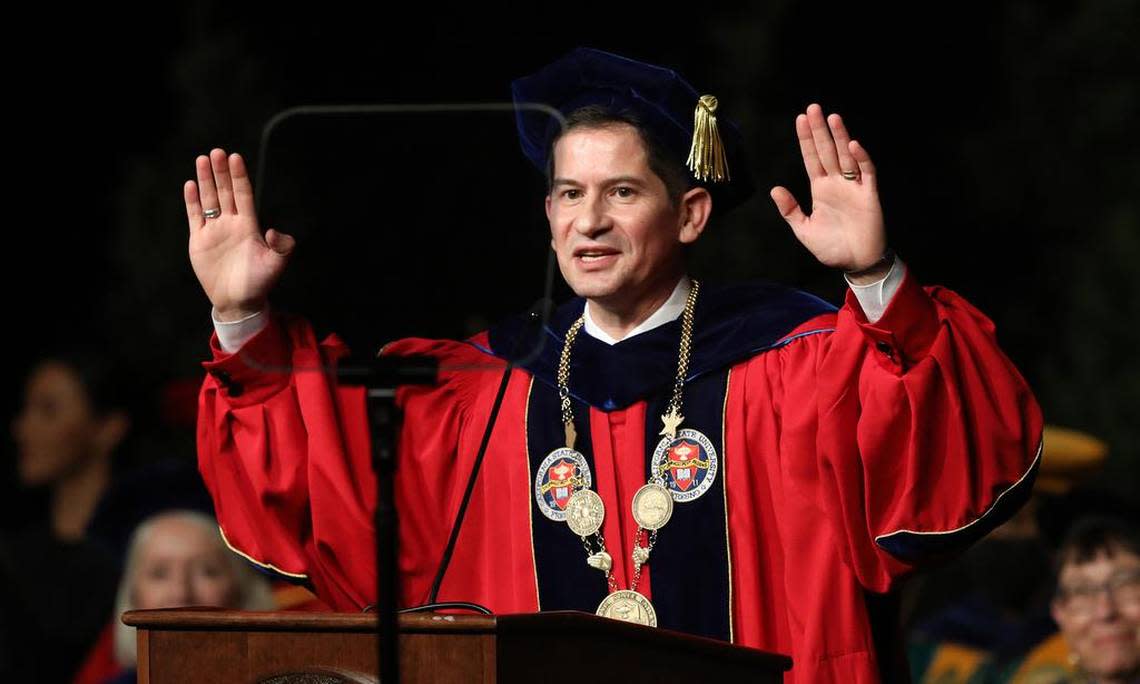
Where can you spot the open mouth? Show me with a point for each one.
(590, 255)
(595, 262)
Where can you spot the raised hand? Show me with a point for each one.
(235, 264)
(845, 227)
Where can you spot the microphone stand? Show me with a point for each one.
(380, 379)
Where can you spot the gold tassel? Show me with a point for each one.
(706, 157)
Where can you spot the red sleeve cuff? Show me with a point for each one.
(258, 370)
(907, 328)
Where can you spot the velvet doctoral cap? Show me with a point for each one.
(690, 126)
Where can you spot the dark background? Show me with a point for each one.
(1004, 136)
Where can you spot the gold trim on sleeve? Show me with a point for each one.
(1007, 490)
(267, 566)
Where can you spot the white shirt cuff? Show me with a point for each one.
(233, 334)
(876, 297)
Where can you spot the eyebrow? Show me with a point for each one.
(633, 180)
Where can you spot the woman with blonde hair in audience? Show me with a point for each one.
(177, 558)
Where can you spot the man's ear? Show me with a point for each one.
(547, 204)
(696, 206)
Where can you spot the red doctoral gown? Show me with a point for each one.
(845, 453)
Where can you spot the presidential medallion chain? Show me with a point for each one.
(563, 379)
(672, 418)
(652, 505)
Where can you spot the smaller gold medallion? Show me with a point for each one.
(585, 512)
(628, 606)
(652, 506)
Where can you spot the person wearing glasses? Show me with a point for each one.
(1097, 601)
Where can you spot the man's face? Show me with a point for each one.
(1098, 609)
(617, 235)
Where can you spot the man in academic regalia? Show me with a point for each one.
(747, 463)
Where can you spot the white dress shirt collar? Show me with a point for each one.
(669, 311)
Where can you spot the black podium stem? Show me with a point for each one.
(380, 380)
(382, 421)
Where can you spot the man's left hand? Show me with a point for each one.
(845, 227)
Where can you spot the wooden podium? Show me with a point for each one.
(219, 646)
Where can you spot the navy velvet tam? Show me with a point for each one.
(655, 96)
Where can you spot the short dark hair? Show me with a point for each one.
(106, 377)
(662, 162)
(1093, 536)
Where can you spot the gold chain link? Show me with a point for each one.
(563, 376)
(686, 345)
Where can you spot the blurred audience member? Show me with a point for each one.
(177, 558)
(74, 417)
(985, 617)
(56, 585)
(1097, 600)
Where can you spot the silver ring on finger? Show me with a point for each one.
(850, 175)
(212, 213)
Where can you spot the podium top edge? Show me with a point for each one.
(549, 624)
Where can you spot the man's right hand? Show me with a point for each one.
(236, 265)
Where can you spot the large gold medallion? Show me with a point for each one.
(628, 606)
(652, 506)
(585, 512)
